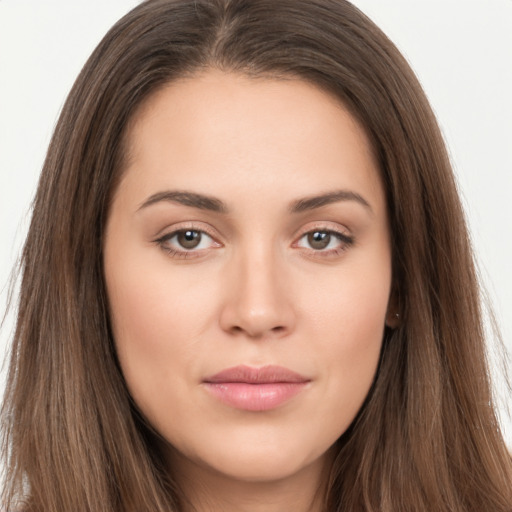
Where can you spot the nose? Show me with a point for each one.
(258, 298)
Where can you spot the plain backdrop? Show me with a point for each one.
(460, 49)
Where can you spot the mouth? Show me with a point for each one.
(255, 389)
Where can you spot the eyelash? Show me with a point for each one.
(164, 240)
(345, 242)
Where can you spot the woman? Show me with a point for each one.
(247, 283)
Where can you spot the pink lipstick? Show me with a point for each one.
(255, 389)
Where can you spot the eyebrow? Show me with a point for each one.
(185, 198)
(310, 203)
(205, 202)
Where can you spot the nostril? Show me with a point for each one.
(257, 313)
(258, 333)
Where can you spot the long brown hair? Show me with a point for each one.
(427, 437)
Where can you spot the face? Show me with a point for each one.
(248, 268)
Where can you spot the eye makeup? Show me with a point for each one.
(191, 240)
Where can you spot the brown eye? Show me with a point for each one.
(188, 239)
(319, 240)
(325, 242)
(187, 243)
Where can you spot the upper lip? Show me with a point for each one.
(264, 375)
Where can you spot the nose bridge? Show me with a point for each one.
(257, 301)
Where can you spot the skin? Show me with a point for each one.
(255, 291)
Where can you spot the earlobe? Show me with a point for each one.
(393, 319)
(393, 316)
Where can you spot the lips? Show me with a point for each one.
(255, 389)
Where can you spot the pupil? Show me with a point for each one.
(319, 239)
(189, 239)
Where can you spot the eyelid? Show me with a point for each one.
(342, 233)
(323, 226)
(188, 225)
(171, 231)
(339, 231)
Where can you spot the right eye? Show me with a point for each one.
(185, 241)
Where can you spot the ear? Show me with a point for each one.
(393, 316)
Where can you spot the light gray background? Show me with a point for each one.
(461, 50)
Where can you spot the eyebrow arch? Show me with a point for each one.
(310, 203)
(203, 202)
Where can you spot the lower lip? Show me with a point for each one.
(255, 397)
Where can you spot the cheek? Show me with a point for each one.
(347, 322)
(350, 306)
(156, 324)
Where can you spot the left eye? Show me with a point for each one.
(322, 240)
(187, 240)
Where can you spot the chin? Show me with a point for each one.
(258, 460)
(267, 467)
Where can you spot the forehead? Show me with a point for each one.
(197, 130)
